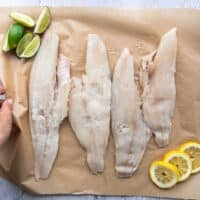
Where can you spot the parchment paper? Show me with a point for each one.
(139, 30)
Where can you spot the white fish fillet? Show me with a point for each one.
(159, 91)
(131, 134)
(48, 93)
(89, 112)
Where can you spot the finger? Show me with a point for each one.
(5, 121)
(8, 104)
(6, 110)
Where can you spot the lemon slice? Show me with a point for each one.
(22, 19)
(23, 43)
(180, 160)
(193, 150)
(163, 174)
(43, 21)
(31, 48)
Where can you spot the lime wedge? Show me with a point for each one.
(31, 48)
(43, 21)
(23, 43)
(6, 46)
(22, 19)
(15, 33)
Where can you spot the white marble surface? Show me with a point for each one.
(9, 191)
(105, 3)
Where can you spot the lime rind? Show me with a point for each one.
(26, 45)
(43, 21)
(31, 48)
(22, 19)
(15, 33)
(6, 46)
(26, 39)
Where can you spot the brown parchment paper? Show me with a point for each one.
(139, 30)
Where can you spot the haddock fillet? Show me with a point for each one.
(48, 93)
(159, 91)
(131, 134)
(89, 112)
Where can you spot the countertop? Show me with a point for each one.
(8, 191)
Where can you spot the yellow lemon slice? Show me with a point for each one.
(180, 160)
(193, 150)
(163, 174)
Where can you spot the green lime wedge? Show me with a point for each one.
(31, 48)
(43, 21)
(22, 19)
(15, 33)
(6, 46)
(23, 43)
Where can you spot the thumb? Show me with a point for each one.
(6, 109)
(6, 112)
(5, 120)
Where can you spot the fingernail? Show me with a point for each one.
(10, 101)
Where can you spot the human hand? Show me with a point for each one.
(5, 119)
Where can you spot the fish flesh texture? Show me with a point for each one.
(48, 95)
(131, 135)
(90, 98)
(158, 84)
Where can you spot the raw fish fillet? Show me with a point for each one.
(159, 91)
(131, 134)
(48, 95)
(90, 98)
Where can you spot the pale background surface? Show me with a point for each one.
(9, 191)
(103, 3)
